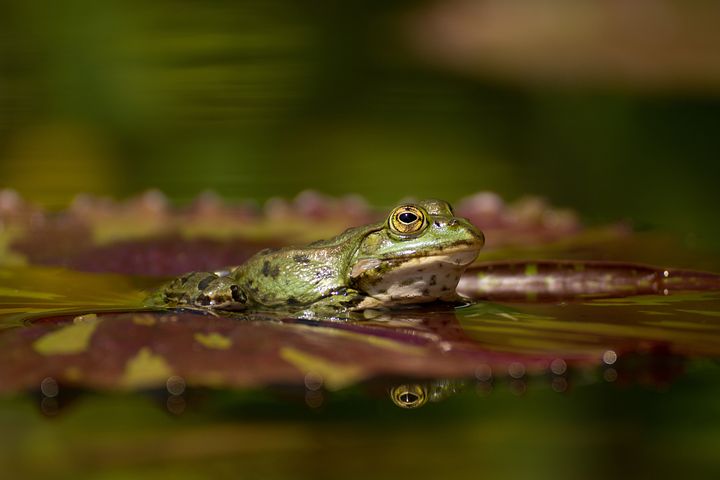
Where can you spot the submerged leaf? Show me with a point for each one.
(146, 369)
(213, 340)
(71, 339)
(334, 376)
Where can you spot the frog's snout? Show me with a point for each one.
(474, 234)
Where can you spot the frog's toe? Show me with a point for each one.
(221, 293)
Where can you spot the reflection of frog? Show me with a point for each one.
(415, 256)
(415, 395)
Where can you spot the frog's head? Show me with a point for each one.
(417, 255)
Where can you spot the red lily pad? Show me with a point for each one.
(146, 236)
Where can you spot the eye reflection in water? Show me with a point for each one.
(415, 395)
(409, 395)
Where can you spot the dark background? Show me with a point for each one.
(608, 108)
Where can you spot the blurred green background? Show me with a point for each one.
(609, 108)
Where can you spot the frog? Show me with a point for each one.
(416, 255)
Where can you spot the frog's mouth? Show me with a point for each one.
(460, 255)
(456, 258)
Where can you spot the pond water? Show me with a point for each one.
(583, 388)
(571, 360)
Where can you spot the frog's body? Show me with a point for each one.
(417, 255)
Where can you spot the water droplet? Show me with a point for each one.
(609, 357)
(49, 406)
(313, 381)
(483, 389)
(559, 384)
(483, 372)
(558, 366)
(518, 387)
(49, 387)
(175, 385)
(175, 404)
(314, 399)
(516, 370)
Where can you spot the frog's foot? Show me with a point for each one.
(202, 291)
(342, 301)
(220, 293)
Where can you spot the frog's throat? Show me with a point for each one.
(411, 280)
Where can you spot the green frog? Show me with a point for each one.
(415, 256)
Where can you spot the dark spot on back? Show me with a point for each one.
(202, 284)
(266, 268)
(250, 288)
(301, 259)
(292, 301)
(275, 271)
(322, 273)
(237, 295)
(203, 300)
(433, 280)
(426, 292)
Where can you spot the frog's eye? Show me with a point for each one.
(409, 396)
(407, 220)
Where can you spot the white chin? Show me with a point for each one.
(422, 279)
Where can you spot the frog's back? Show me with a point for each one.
(299, 275)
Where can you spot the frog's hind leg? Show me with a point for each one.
(223, 293)
(178, 291)
(203, 291)
(342, 300)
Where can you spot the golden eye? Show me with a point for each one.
(407, 219)
(409, 396)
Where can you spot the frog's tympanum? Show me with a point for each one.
(415, 256)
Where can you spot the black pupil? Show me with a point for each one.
(408, 397)
(407, 217)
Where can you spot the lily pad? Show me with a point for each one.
(93, 330)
